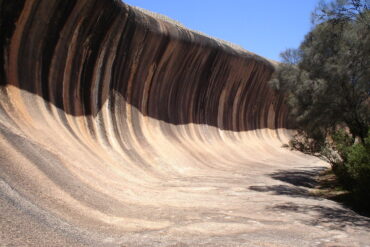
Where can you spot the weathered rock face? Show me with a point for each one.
(77, 55)
(117, 128)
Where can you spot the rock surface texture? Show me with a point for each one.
(118, 128)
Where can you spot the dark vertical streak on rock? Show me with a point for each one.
(164, 71)
(57, 22)
(9, 13)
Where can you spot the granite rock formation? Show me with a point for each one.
(118, 128)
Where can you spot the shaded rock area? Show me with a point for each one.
(118, 128)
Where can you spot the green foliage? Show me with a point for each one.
(327, 79)
(342, 141)
(354, 170)
(340, 10)
(326, 82)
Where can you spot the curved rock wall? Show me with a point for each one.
(115, 123)
(77, 54)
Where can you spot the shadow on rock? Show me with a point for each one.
(298, 182)
(282, 190)
(302, 178)
(335, 218)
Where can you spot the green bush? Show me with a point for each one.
(354, 170)
(358, 165)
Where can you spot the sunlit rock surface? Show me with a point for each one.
(118, 128)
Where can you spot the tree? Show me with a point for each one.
(327, 79)
(341, 10)
(327, 85)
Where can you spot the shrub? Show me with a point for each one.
(350, 161)
(354, 169)
(305, 143)
(358, 165)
